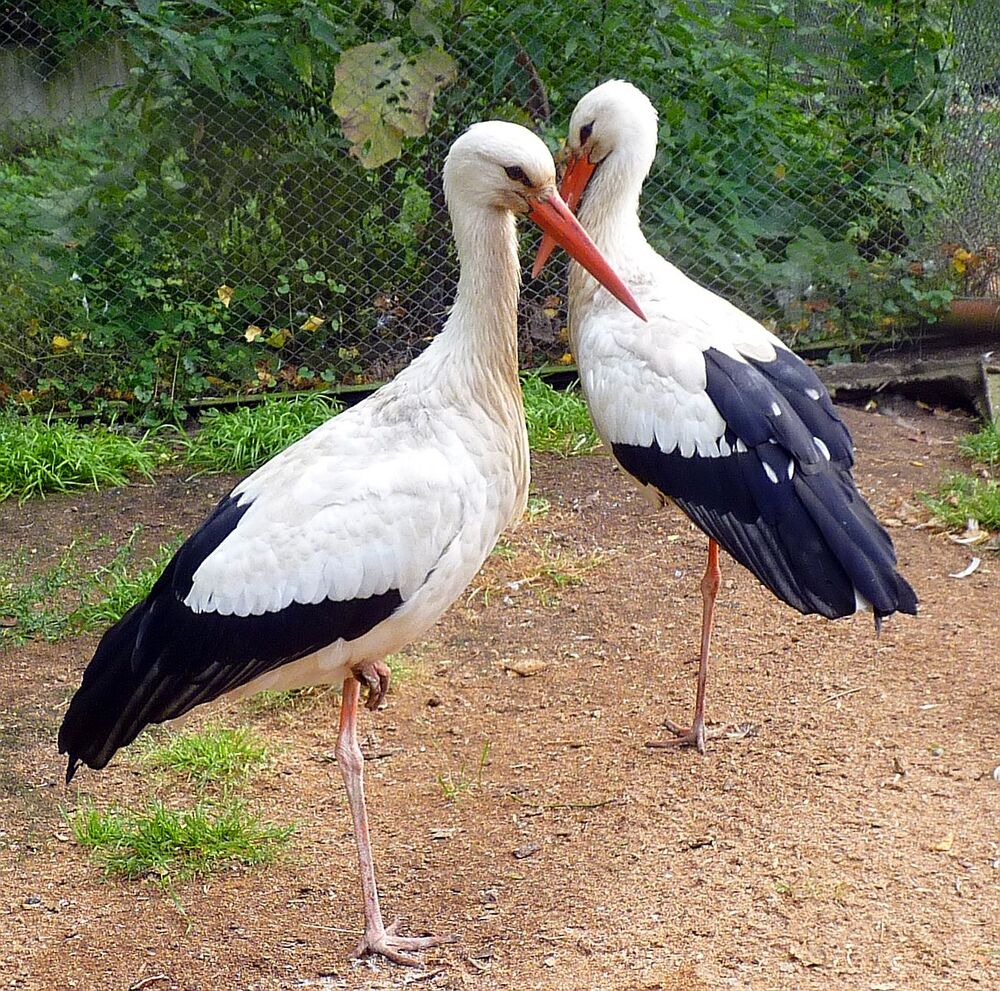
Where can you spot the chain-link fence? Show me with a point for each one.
(205, 199)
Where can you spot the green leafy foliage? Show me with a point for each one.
(213, 233)
(557, 419)
(169, 844)
(383, 96)
(39, 455)
(245, 438)
(850, 300)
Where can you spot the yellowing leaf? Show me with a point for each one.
(225, 294)
(780, 171)
(60, 343)
(961, 260)
(383, 96)
(253, 332)
(278, 337)
(566, 359)
(313, 323)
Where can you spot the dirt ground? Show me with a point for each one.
(850, 842)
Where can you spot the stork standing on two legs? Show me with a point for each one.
(703, 406)
(354, 540)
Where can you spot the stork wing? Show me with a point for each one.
(308, 551)
(742, 435)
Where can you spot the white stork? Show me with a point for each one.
(703, 406)
(354, 540)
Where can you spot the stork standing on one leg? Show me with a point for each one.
(703, 406)
(354, 540)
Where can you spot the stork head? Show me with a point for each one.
(498, 164)
(502, 166)
(614, 118)
(613, 127)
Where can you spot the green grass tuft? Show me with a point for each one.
(983, 447)
(72, 596)
(557, 419)
(400, 670)
(961, 498)
(245, 438)
(290, 699)
(537, 508)
(124, 584)
(174, 845)
(453, 786)
(212, 756)
(39, 456)
(39, 608)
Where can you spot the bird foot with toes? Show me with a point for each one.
(684, 736)
(398, 948)
(375, 675)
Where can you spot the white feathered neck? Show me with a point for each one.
(473, 360)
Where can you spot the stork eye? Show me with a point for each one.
(516, 173)
(585, 132)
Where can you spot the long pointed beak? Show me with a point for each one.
(555, 219)
(574, 182)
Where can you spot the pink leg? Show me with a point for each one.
(377, 938)
(696, 735)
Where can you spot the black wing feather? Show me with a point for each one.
(811, 539)
(161, 659)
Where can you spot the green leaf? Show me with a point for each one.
(204, 72)
(301, 58)
(322, 29)
(423, 26)
(902, 72)
(898, 199)
(383, 96)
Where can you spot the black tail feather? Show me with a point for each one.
(811, 539)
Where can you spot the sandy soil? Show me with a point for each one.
(850, 842)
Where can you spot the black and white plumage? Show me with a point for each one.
(703, 406)
(173, 650)
(354, 540)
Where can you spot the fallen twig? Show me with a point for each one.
(840, 695)
(565, 805)
(425, 976)
(147, 981)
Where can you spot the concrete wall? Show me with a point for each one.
(32, 94)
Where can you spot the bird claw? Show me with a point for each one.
(683, 736)
(697, 735)
(374, 675)
(387, 944)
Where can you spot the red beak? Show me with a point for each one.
(574, 182)
(562, 228)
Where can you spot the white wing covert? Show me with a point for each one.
(334, 530)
